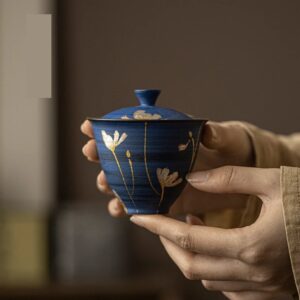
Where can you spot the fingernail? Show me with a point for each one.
(116, 208)
(83, 126)
(99, 185)
(197, 177)
(136, 220)
(213, 131)
(193, 220)
(188, 219)
(133, 219)
(84, 150)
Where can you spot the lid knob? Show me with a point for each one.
(147, 97)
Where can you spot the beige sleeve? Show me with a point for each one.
(271, 151)
(290, 187)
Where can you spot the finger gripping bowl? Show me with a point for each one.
(146, 152)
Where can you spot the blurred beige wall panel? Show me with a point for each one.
(26, 122)
(39, 55)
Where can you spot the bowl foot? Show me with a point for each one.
(134, 211)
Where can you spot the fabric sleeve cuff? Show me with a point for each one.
(290, 182)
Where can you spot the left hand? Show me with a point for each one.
(244, 263)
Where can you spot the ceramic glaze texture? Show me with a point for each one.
(146, 158)
(146, 109)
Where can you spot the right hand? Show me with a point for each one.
(225, 143)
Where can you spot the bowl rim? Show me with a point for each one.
(150, 120)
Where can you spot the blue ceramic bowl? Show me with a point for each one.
(146, 158)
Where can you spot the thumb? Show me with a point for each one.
(225, 136)
(213, 135)
(237, 180)
(219, 136)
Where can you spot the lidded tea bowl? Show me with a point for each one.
(146, 152)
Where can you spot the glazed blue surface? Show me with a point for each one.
(147, 97)
(147, 147)
(147, 100)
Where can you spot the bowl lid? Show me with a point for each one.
(146, 110)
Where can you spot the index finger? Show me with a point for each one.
(87, 129)
(200, 239)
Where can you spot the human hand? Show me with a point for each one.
(224, 143)
(244, 263)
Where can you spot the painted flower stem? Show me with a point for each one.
(195, 149)
(145, 160)
(193, 153)
(122, 175)
(162, 195)
(132, 175)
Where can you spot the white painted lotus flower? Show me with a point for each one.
(113, 143)
(166, 179)
(142, 115)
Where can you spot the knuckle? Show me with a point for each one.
(208, 285)
(252, 255)
(233, 295)
(263, 277)
(251, 252)
(184, 240)
(274, 288)
(228, 175)
(189, 275)
(188, 270)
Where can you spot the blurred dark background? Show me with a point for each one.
(225, 60)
